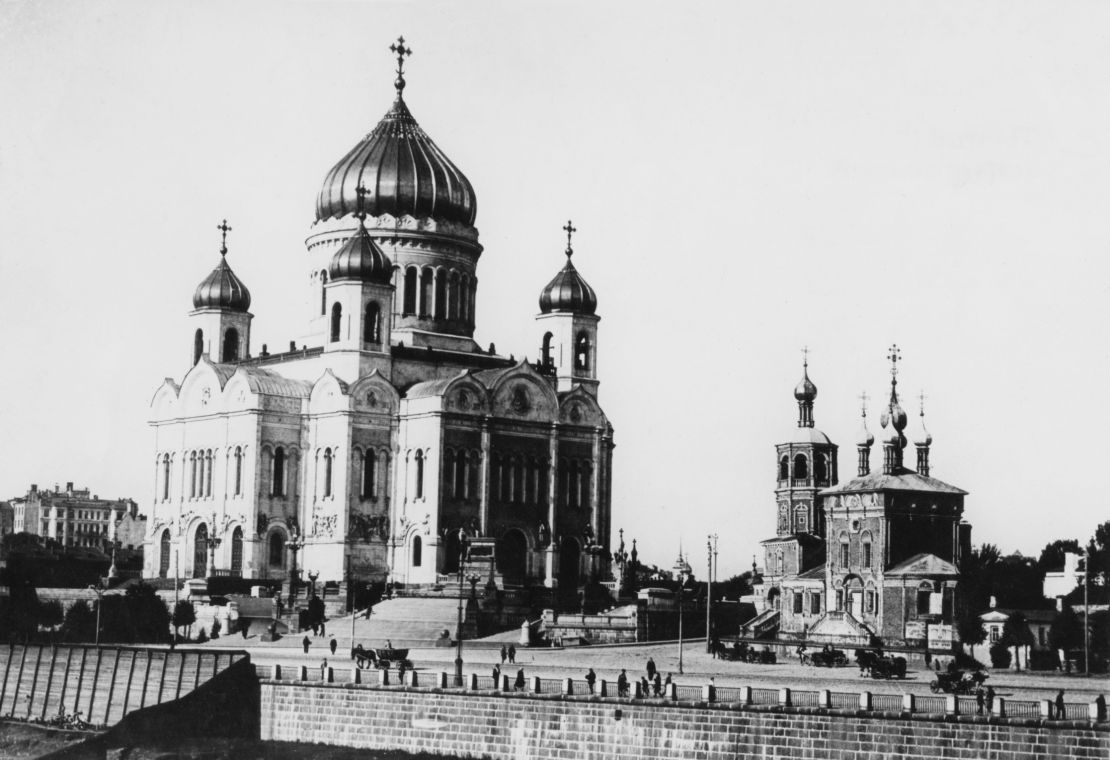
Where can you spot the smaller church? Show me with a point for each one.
(872, 559)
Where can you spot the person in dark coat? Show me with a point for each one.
(504, 654)
(519, 683)
(1061, 708)
(622, 684)
(512, 654)
(650, 668)
(305, 644)
(591, 678)
(980, 698)
(496, 676)
(990, 699)
(657, 684)
(333, 644)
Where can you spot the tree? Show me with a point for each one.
(79, 623)
(19, 611)
(51, 614)
(184, 616)
(1066, 632)
(150, 619)
(1052, 555)
(1016, 634)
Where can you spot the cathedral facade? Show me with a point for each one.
(388, 444)
(875, 557)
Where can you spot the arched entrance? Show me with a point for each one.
(512, 557)
(200, 551)
(450, 563)
(237, 553)
(164, 556)
(569, 557)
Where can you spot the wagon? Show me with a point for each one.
(958, 682)
(398, 658)
(829, 658)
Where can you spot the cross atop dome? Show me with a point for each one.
(570, 229)
(401, 52)
(863, 399)
(224, 228)
(894, 356)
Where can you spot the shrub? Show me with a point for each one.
(1000, 656)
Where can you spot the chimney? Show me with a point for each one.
(35, 488)
(292, 345)
(994, 601)
(69, 488)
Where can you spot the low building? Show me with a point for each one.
(994, 623)
(73, 517)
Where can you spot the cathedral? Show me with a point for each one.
(876, 557)
(388, 444)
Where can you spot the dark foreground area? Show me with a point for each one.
(22, 741)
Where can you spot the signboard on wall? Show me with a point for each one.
(915, 629)
(941, 636)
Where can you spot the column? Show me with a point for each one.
(483, 478)
(552, 482)
(595, 486)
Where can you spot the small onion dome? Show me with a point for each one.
(894, 438)
(404, 172)
(864, 437)
(568, 292)
(894, 415)
(806, 390)
(360, 258)
(923, 437)
(222, 290)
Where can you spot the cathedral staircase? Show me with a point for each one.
(406, 622)
(763, 625)
(839, 627)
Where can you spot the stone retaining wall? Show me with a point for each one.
(515, 725)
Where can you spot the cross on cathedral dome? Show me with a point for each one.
(404, 172)
(568, 291)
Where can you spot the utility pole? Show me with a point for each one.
(176, 583)
(1086, 613)
(709, 596)
(351, 603)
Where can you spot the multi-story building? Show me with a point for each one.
(877, 556)
(73, 516)
(388, 440)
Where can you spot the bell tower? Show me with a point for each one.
(568, 327)
(220, 321)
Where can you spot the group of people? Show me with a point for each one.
(651, 684)
(518, 682)
(508, 653)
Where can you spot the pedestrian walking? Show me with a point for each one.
(496, 675)
(333, 644)
(512, 654)
(990, 699)
(504, 654)
(518, 685)
(657, 684)
(321, 627)
(650, 668)
(980, 698)
(622, 684)
(591, 678)
(644, 689)
(1061, 708)
(305, 644)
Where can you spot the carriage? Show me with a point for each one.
(829, 658)
(741, 652)
(887, 667)
(383, 658)
(958, 682)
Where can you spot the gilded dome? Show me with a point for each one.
(360, 258)
(404, 173)
(805, 390)
(568, 292)
(222, 289)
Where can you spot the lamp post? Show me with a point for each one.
(99, 596)
(473, 578)
(295, 545)
(711, 548)
(312, 576)
(1086, 614)
(682, 567)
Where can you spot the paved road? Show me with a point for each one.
(698, 667)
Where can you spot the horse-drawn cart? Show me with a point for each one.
(958, 682)
(383, 658)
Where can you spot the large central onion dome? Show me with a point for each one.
(404, 173)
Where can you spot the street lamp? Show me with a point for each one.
(295, 545)
(1086, 613)
(682, 567)
(99, 596)
(473, 578)
(711, 547)
(312, 576)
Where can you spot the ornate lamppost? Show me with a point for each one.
(312, 576)
(214, 542)
(473, 578)
(99, 598)
(682, 567)
(711, 547)
(295, 545)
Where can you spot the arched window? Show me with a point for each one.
(192, 474)
(371, 331)
(419, 484)
(820, 471)
(801, 467)
(277, 549)
(519, 485)
(165, 477)
(208, 473)
(426, 292)
(441, 294)
(237, 553)
(417, 551)
(865, 551)
(410, 291)
(238, 470)
(780, 562)
(200, 551)
(472, 473)
(323, 292)
(460, 475)
(453, 297)
(464, 299)
(370, 474)
(231, 345)
(784, 468)
(198, 345)
(336, 321)
(545, 351)
(164, 555)
(327, 472)
(277, 481)
(582, 351)
(845, 553)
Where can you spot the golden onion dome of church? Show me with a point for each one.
(403, 171)
(222, 289)
(361, 258)
(568, 292)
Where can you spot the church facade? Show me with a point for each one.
(875, 557)
(388, 444)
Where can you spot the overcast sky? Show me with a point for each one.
(746, 179)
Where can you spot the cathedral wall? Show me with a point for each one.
(417, 492)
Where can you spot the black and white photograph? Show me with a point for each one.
(393, 379)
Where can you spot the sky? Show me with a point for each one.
(746, 179)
